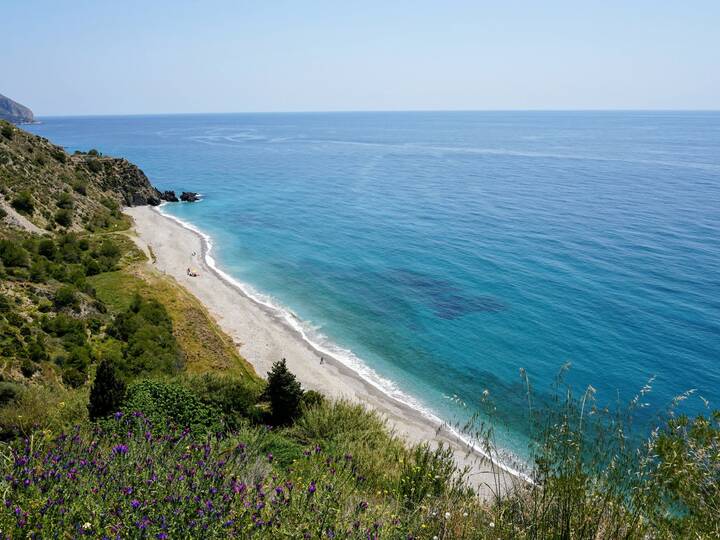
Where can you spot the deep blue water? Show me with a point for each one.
(448, 250)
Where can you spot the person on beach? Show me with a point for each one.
(322, 360)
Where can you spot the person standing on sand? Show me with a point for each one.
(322, 360)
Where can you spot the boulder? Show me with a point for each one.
(189, 196)
(169, 196)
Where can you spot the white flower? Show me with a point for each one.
(465, 514)
(447, 515)
(87, 525)
(492, 524)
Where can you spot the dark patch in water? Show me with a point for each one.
(446, 299)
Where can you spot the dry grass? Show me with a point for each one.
(206, 348)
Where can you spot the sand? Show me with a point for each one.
(263, 337)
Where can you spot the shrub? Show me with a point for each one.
(63, 218)
(65, 201)
(146, 328)
(8, 392)
(59, 155)
(107, 392)
(94, 165)
(46, 248)
(7, 131)
(73, 377)
(13, 254)
(284, 393)
(231, 396)
(171, 405)
(23, 203)
(80, 186)
(65, 297)
(28, 368)
(3, 213)
(311, 398)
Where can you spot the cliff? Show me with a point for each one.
(52, 188)
(12, 111)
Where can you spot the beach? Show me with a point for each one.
(263, 337)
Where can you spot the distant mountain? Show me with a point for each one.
(12, 111)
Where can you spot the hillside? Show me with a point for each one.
(55, 190)
(12, 111)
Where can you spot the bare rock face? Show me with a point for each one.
(189, 196)
(124, 178)
(13, 112)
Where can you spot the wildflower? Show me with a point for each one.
(312, 488)
(447, 515)
(465, 514)
(135, 504)
(118, 415)
(492, 524)
(120, 449)
(87, 525)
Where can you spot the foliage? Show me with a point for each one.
(7, 131)
(284, 393)
(233, 397)
(169, 405)
(146, 329)
(107, 392)
(23, 202)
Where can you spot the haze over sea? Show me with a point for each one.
(448, 250)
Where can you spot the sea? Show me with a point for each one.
(453, 257)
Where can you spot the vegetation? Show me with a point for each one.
(126, 412)
(107, 393)
(284, 394)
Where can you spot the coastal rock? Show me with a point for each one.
(12, 111)
(122, 177)
(169, 196)
(189, 196)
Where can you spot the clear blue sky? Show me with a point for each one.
(163, 56)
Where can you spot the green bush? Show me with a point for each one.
(23, 203)
(7, 131)
(65, 297)
(65, 201)
(233, 397)
(74, 378)
(284, 393)
(107, 392)
(63, 218)
(59, 155)
(150, 346)
(8, 392)
(13, 254)
(94, 165)
(171, 405)
(80, 186)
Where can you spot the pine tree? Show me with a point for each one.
(107, 392)
(284, 392)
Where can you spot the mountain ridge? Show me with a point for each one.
(14, 112)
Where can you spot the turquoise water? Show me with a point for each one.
(448, 250)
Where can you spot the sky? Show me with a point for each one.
(63, 57)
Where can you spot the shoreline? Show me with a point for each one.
(263, 336)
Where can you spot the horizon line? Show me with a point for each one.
(371, 111)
